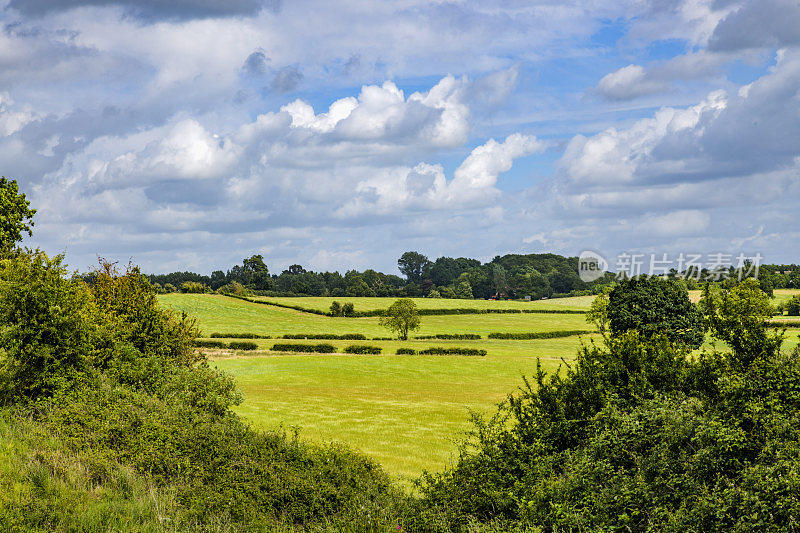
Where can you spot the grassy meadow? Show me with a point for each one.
(404, 411)
(323, 303)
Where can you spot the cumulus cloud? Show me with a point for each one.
(758, 24)
(628, 82)
(439, 116)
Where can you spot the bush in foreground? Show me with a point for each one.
(141, 427)
(637, 436)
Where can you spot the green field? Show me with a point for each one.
(405, 411)
(323, 303)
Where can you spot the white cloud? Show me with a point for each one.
(628, 82)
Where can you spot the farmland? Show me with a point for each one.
(404, 411)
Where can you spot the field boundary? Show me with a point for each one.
(422, 312)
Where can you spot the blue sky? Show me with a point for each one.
(190, 135)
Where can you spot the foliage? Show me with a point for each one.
(738, 316)
(326, 336)
(242, 345)
(336, 308)
(303, 348)
(598, 313)
(451, 351)
(637, 436)
(413, 265)
(193, 287)
(401, 317)
(16, 216)
(50, 329)
(238, 336)
(538, 334)
(203, 343)
(451, 336)
(117, 381)
(654, 306)
(406, 351)
(363, 349)
(793, 306)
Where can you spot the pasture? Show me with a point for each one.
(406, 411)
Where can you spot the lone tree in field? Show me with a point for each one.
(401, 317)
(16, 216)
(654, 306)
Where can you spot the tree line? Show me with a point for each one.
(510, 276)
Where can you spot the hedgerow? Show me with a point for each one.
(538, 335)
(363, 349)
(452, 351)
(326, 336)
(202, 343)
(303, 348)
(450, 336)
(242, 345)
(238, 336)
(405, 351)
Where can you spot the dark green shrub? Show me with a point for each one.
(793, 306)
(363, 349)
(655, 306)
(200, 343)
(326, 336)
(242, 345)
(193, 287)
(348, 309)
(303, 348)
(405, 351)
(452, 351)
(238, 336)
(538, 335)
(451, 336)
(638, 436)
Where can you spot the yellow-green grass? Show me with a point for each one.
(406, 412)
(780, 296)
(221, 314)
(323, 303)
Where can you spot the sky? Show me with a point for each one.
(189, 134)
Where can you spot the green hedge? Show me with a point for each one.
(326, 336)
(356, 348)
(209, 344)
(405, 351)
(238, 336)
(784, 323)
(452, 351)
(423, 312)
(304, 348)
(242, 345)
(538, 335)
(451, 336)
